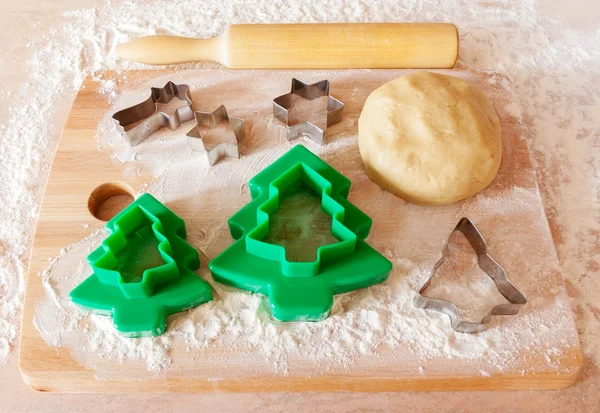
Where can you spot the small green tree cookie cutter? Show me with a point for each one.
(140, 306)
(134, 224)
(299, 291)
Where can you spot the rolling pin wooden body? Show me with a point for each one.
(307, 46)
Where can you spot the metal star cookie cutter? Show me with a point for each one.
(515, 297)
(138, 122)
(283, 104)
(211, 120)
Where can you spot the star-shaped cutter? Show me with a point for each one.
(515, 297)
(283, 104)
(211, 120)
(138, 122)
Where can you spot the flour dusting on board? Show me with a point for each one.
(550, 53)
(361, 324)
(364, 324)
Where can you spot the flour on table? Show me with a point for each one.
(554, 67)
(363, 323)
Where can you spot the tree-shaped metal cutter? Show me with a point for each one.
(516, 299)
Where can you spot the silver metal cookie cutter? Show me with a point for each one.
(515, 297)
(138, 122)
(210, 120)
(283, 103)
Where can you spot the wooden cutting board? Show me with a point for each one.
(82, 176)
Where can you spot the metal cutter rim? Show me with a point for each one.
(211, 120)
(148, 119)
(282, 104)
(515, 297)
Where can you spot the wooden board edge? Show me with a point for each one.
(26, 340)
(297, 385)
(86, 381)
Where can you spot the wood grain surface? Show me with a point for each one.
(79, 168)
(306, 46)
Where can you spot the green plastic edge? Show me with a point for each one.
(141, 314)
(296, 291)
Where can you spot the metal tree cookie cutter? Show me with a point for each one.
(227, 145)
(138, 122)
(283, 104)
(491, 268)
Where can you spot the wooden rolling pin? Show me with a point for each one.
(307, 46)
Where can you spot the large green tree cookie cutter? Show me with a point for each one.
(140, 306)
(299, 291)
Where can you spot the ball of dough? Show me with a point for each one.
(430, 138)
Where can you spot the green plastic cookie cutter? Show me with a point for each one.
(299, 291)
(143, 271)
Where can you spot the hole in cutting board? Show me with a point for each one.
(108, 199)
(460, 281)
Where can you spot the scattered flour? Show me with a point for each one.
(361, 324)
(364, 324)
(555, 70)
